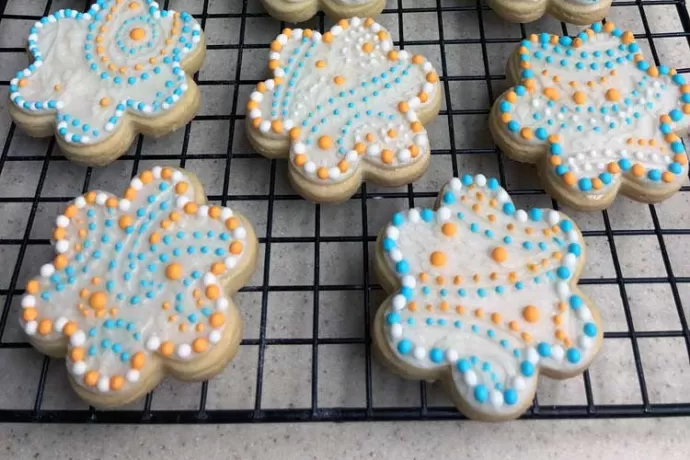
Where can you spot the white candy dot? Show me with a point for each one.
(28, 301)
(497, 398)
(455, 184)
(79, 368)
(184, 350)
(77, 339)
(518, 383)
(47, 270)
(443, 214)
(153, 343)
(214, 336)
(480, 180)
(409, 281)
(451, 355)
(222, 304)
(557, 352)
(396, 330)
(31, 327)
(132, 375)
(62, 246)
(413, 215)
(553, 217)
(470, 378)
(419, 353)
(103, 384)
(521, 215)
(399, 302)
(62, 221)
(391, 232)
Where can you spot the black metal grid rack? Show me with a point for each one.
(398, 12)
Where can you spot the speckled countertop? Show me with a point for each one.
(280, 328)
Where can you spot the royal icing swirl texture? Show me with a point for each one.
(91, 68)
(344, 97)
(603, 112)
(490, 292)
(134, 277)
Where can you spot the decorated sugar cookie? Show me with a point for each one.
(344, 107)
(301, 10)
(483, 297)
(573, 11)
(595, 117)
(140, 287)
(99, 78)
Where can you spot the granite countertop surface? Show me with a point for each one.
(287, 368)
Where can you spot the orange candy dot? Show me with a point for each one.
(69, 328)
(338, 80)
(91, 378)
(235, 247)
(138, 360)
(29, 314)
(569, 178)
(667, 176)
(322, 173)
(496, 318)
(627, 37)
(613, 95)
(212, 292)
(530, 313)
(191, 208)
(325, 142)
(200, 345)
(76, 354)
(579, 97)
(167, 348)
(367, 47)
(173, 271)
(343, 165)
(448, 229)
(32, 287)
(432, 77)
(98, 300)
(613, 167)
(232, 223)
(551, 93)
(438, 258)
(637, 170)
(137, 33)
(387, 156)
(300, 159)
(117, 382)
(526, 133)
(499, 254)
(216, 320)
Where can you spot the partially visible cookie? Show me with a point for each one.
(483, 297)
(99, 78)
(573, 11)
(595, 117)
(140, 287)
(301, 10)
(344, 107)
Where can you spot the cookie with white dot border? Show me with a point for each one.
(573, 11)
(140, 287)
(344, 107)
(595, 118)
(301, 10)
(484, 298)
(99, 78)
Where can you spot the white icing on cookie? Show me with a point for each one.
(91, 68)
(344, 97)
(489, 294)
(133, 283)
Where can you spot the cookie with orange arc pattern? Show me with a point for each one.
(344, 107)
(140, 287)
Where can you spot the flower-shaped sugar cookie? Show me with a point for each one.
(595, 118)
(301, 10)
(345, 106)
(573, 11)
(100, 77)
(484, 297)
(141, 287)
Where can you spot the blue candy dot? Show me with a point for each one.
(527, 368)
(481, 393)
(404, 346)
(573, 355)
(436, 355)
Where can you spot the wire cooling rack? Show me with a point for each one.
(306, 355)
